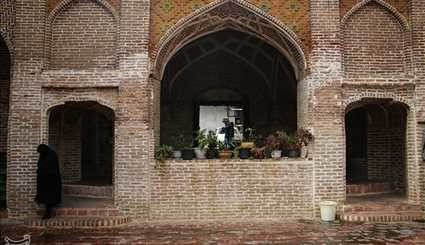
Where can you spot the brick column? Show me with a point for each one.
(133, 134)
(24, 120)
(418, 57)
(326, 113)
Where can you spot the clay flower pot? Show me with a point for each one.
(225, 154)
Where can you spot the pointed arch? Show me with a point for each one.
(65, 3)
(229, 14)
(4, 35)
(383, 4)
(61, 7)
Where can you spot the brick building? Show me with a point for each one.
(105, 81)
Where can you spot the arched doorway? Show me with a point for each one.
(5, 71)
(376, 148)
(236, 74)
(242, 20)
(82, 133)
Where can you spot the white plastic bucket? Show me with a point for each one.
(328, 210)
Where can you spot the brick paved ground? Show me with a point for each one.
(240, 233)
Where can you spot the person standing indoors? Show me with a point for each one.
(49, 184)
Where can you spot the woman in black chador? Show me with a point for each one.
(49, 185)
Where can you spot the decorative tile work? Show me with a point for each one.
(245, 18)
(51, 4)
(293, 13)
(402, 6)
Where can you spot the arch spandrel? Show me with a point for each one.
(229, 14)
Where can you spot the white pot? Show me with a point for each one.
(200, 153)
(328, 210)
(177, 154)
(276, 154)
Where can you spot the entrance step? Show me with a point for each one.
(369, 188)
(84, 212)
(79, 190)
(382, 216)
(379, 207)
(77, 222)
(81, 212)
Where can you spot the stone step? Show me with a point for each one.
(382, 216)
(369, 188)
(83, 212)
(382, 207)
(77, 222)
(87, 190)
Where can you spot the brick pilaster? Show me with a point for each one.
(133, 134)
(418, 54)
(24, 119)
(326, 112)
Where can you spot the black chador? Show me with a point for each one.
(49, 185)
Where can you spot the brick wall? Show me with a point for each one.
(128, 89)
(217, 190)
(65, 137)
(418, 43)
(372, 49)
(84, 35)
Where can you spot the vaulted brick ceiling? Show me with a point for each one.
(233, 60)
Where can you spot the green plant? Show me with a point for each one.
(304, 137)
(201, 139)
(163, 152)
(258, 152)
(211, 140)
(221, 146)
(289, 140)
(274, 141)
(179, 141)
(249, 135)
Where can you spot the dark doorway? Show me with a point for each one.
(376, 147)
(83, 135)
(5, 71)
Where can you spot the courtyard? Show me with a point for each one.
(271, 232)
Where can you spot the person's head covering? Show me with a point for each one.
(43, 149)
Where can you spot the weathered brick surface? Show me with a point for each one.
(325, 109)
(83, 35)
(371, 49)
(376, 52)
(215, 190)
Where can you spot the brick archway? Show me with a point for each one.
(389, 127)
(229, 14)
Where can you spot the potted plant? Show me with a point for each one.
(304, 137)
(274, 144)
(163, 152)
(248, 142)
(249, 138)
(178, 145)
(201, 142)
(181, 145)
(211, 143)
(187, 153)
(223, 152)
(294, 142)
(291, 147)
(259, 152)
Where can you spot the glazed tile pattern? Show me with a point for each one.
(293, 13)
